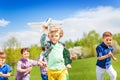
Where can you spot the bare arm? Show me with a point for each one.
(113, 57)
(5, 75)
(104, 57)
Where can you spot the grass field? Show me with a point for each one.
(83, 69)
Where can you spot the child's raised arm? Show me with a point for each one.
(44, 35)
(45, 29)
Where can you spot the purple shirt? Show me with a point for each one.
(23, 64)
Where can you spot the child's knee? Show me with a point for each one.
(114, 75)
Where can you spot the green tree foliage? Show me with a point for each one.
(77, 42)
(88, 43)
(12, 50)
(35, 51)
(69, 44)
(90, 39)
(117, 38)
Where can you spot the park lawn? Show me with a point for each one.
(83, 69)
(34, 74)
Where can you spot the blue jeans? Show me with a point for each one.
(44, 76)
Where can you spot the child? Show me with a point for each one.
(104, 55)
(24, 65)
(56, 54)
(43, 70)
(4, 68)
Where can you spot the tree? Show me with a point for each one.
(117, 37)
(89, 41)
(69, 44)
(35, 51)
(12, 50)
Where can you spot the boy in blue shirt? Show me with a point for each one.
(104, 55)
(4, 68)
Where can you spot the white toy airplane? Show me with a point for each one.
(49, 22)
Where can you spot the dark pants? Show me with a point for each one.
(44, 77)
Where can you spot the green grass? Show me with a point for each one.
(83, 69)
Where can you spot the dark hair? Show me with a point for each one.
(24, 49)
(43, 48)
(107, 34)
(2, 55)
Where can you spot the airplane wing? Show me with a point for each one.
(48, 22)
(36, 23)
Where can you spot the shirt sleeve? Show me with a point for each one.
(34, 62)
(66, 55)
(111, 49)
(9, 68)
(99, 51)
(43, 40)
(18, 65)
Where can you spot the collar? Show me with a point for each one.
(24, 60)
(2, 65)
(103, 44)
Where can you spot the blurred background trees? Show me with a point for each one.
(83, 47)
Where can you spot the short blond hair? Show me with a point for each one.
(55, 30)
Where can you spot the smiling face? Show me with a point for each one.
(107, 38)
(25, 55)
(54, 37)
(107, 41)
(55, 34)
(2, 61)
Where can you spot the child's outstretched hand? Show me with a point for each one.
(68, 66)
(112, 56)
(43, 64)
(1, 73)
(29, 69)
(45, 29)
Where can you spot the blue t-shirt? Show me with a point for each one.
(5, 69)
(102, 50)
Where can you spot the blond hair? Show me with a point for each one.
(55, 30)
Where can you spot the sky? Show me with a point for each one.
(77, 17)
